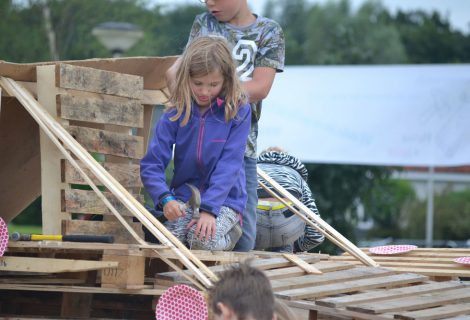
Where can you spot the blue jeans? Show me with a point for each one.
(277, 232)
(247, 240)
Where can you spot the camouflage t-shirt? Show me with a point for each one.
(261, 44)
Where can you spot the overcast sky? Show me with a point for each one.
(458, 11)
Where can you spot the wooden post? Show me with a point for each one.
(51, 184)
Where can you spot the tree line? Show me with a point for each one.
(330, 33)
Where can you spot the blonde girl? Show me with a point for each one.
(207, 123)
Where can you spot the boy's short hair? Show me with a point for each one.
(246, 290)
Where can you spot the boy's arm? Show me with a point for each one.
(259, 86)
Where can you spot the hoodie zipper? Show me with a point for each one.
(200, 139)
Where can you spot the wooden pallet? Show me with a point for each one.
(438, 263)
(345, 290)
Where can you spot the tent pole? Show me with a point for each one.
(430, 208)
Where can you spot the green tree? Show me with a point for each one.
(451, 216)
(387, 204)
(337, 190)
(428, 38)
(333, 34)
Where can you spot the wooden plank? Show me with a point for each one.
(436, 313)
(83, 201)
(289, 272)
(50, 157)
(100, 109)
(121, 235)
(308, 268)
(147, 290)
(412, 259)
(130, 272)
(417, 302)
(335, 314)
(150, 96)
(367, 297)
(99, 81)
(51, 265)
(20, 167)
(351, 286)
(154, 97)
(108, 142)
(263, 264)
(127, 174)
(328, 278)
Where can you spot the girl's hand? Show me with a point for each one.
(173, 210)
(205, 226)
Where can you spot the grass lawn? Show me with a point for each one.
(24, 229)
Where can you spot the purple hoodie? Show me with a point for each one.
(208, 154)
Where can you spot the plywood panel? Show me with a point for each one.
(20, 167)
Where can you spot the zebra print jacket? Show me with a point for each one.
(292, 175)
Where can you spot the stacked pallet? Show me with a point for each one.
(438, 263)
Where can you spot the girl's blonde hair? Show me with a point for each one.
(204, 55)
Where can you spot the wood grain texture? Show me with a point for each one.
(127, 174)
(108, 142)
(99, 81)
(124, 112)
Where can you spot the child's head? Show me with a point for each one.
(243, 293)
(226, 10)
(207, 71)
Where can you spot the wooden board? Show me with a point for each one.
(108, 142)
(51, 157)
(436, 262)
(416, 302)
(51, 265)
(20, 182)
(130, 272)
(436, 313)
(387, 294)
(121, 235)
(152, 69)
(83, 201)
(351, 286)
(127, 174)
(101, 109)
(99, 81)
(329, 278)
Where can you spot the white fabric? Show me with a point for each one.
(378, 115)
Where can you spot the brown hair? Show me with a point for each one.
(202, 56)
(246, 290)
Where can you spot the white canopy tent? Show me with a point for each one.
(403, 115)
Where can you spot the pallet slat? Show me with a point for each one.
(99, 81)
(328, 278)
(127, 174)
(124, 112)
(336, 302)
(83, 201)
(108, 142)
(351, 286)
(436, 313)
(417, 302)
